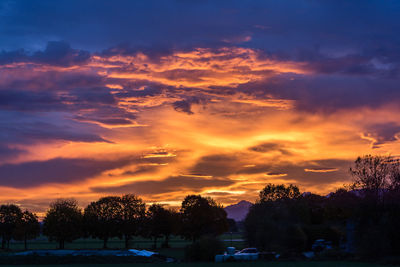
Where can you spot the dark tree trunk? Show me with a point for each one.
(62, 243)
(105, 242)
(3, 242)
(25, 242)
(167, 241)
(155, 242)
(8, 244)
(127, 241)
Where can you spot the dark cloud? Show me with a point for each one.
(110, 121)
(27, 100)
(140, 170)
(318, 172)
(382, 133)
(42, 131)
(36, 205)
(186, 104)
(58, 170)
(56, 53)
(324, 172)
(379, 61)
(270, 147)
(61, 53)
(153, 52)
(22, 128)
(194, 76)
(276, 173)
(170, 184)
(326, 93)
(96, 104)
(183, 106)
(7, 152)
(91, 96)
(49, 80)
(73, 99)
(257, 169)
(217, 165)
(148, 91)
(7, 57)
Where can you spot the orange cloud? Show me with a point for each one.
(228, 143)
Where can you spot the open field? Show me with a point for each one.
(176, 250)
(176, 244)
(116, 243)
(233, 264)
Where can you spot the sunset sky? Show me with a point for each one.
(167, 98)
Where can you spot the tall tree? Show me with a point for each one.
(162, 222)
(202, 216)
(63, 221)
(10, 215)
(157, 217)
(372, 173)
(28, 227)
(274, 220)
(103, 218)
(133, 211)
(172, 225)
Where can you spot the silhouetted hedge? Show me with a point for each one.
(204, 249)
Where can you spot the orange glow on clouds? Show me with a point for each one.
(227, 145)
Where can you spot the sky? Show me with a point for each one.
(168, 98)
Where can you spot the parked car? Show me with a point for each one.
(247, 254)
(320, 245)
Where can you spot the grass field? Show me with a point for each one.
(176, 244)
(116, 243)
(233, 264)
(176, 251)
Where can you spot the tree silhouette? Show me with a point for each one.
(157, 217)
(172, 225)
(202, 216)
(63, 221)
(10, 215)
(103, 218)
(133, 211)
(273, 192)
(372, 173)
(274, 220)
(28, 227)
(161, 223)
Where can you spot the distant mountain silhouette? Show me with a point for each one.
(239, 210)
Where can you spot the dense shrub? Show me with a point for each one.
(318, 231)
(295, 239)
(204, 249)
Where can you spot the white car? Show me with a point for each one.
(247, 254)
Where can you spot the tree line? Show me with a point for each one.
(362, 218)
(124, 217)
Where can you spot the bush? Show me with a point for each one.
(295, 239)
(329, 233)
(372, 241)
(204, 249)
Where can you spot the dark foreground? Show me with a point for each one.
(233, 264)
